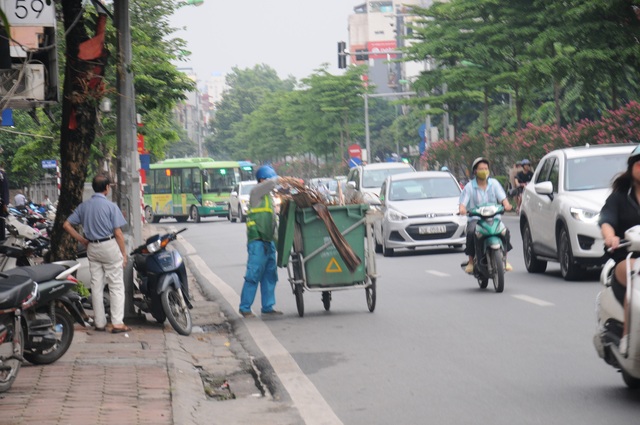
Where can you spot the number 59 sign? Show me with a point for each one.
(27, 13)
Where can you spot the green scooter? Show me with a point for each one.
(490, 259)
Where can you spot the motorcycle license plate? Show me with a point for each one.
(431, 230)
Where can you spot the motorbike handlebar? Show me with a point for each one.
(623, 244)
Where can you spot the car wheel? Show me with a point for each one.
(531, 262)
(241, 217)
(569, 270)
(378, 246)
(387, 252)
(230, 214)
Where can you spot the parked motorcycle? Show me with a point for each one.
(160, 277)
(49, 326)
(610, 316)
(17, 295)
(490, 259)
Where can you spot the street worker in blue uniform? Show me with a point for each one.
(481, 190)
(261, 236)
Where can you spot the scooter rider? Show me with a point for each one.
(480, 191)
(621, 211)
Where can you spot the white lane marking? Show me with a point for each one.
(532, 300)
(313, 408)
(437, 273)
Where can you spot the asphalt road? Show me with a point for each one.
(438, 349)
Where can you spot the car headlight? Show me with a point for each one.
(395, 215)
(208, 203)
(586, 216)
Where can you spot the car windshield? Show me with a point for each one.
(593, 172)
(245, 189)
(424, 188)
(375, 178)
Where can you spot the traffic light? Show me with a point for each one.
(342, 56)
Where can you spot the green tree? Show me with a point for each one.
(247, 89)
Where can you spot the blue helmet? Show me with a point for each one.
(265, 172)
(444, 168)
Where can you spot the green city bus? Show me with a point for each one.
(185, 188)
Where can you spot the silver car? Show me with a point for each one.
(239, 200)
(419, 209)
(561, 206)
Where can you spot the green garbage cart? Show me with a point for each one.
(313, 262)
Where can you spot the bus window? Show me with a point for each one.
(162, 183)
(150, 186)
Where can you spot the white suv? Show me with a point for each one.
(561, 206)
(368, 179)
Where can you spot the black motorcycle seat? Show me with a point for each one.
(39, 273)
(13, 290)
(11, 251)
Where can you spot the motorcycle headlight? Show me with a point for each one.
(584, 215)
(395, 215)
(154, 246)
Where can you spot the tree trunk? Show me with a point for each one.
(518, 106)
(614, 91)
(556, 100)
(485, 111)
(77, 133)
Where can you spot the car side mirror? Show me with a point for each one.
(351, 184)
(234, 193)
(544, 188)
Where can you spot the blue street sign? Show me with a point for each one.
(49, 163)
(354, 162)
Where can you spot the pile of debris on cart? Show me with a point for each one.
(296, 194)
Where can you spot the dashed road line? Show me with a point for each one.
(532, 300)
(437, 273)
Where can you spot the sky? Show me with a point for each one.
(294, 37)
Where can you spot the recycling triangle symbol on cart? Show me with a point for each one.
(333, 266)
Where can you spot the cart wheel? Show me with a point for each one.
(370, 292)
(326, 299)
(299, 300)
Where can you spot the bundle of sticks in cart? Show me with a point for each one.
(295, 193)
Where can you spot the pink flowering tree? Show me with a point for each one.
(534, 141)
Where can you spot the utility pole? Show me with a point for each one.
(128, 189)
(128, 193)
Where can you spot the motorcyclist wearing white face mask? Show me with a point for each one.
(479, 191)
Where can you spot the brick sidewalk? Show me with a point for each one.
(103, 379)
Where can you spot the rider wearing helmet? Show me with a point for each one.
(522, 179)
(261, 235)
(480, 191)
(620, 212)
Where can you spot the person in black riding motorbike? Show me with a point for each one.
(480, 191)
(620, 212)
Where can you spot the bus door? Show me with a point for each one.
(180, 206)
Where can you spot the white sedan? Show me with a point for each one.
(239, 200)
(419, 210)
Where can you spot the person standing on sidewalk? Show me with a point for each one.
(101, 221)
(261, 235)
(4, 200)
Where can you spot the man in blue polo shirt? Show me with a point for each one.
(101, 221)
(480, 191)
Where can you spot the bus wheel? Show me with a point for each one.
(149, 216)
(195, 215)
